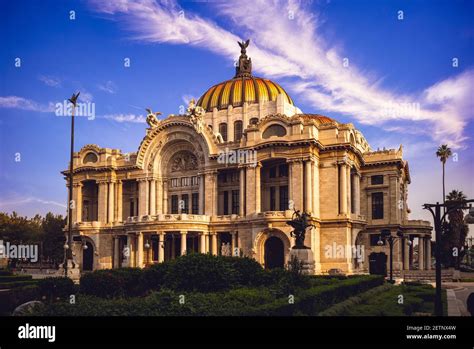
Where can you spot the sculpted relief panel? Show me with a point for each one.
(183, 161)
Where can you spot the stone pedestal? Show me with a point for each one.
(73, 271)
(306, 257)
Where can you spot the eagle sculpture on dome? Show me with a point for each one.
(152, 118)
(244, 67)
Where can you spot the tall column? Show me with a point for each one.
(183, 243)
(140, 250)
(308, 199)
(111, 209)
(242, 191)
(428, 254)
(152, 196)
(214, 243)
(119, 201)
(234, 242)
(357, 193)
(258, 190)
(161, 247)
(165, 197)
(342, 189)
(202, 194)
(202, 243)
(131, 251)
(349, 189)
(159, 196)
(102, 202)
(315, 172)
(142, 197)
(421, 253)
(406, 256)
(77, 197)
(116, 252)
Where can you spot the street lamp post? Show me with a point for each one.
(386, 235)
(439, 221)
(68, 245)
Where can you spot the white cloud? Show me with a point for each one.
(133, 118)
(50, 80)
(15, 102)
(293, 47)
(28, 200)
(108, 87)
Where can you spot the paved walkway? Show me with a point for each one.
(457, 293)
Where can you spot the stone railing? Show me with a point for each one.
(168, 218)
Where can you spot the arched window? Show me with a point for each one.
(90, 157)
(274, 130)
(237, 130)
(253, 121)
(223, 131)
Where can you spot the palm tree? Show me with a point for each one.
(458, 230)
(444, 152)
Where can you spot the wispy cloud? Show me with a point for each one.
(16, 102)
(133, 118)
(108, 87)
(287, 43)
(28, 200)
(51, 81)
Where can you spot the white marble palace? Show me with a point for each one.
(224, 177)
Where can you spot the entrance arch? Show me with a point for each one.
(88, 257)
(274, 253)
(378, 263)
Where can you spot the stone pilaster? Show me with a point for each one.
(165, 197)
(159, 196)
(143, 197)
(315, 193)
(111, 209)
(295, 183)
(242, 192)
(119, 201)
(342, 189)
(308, 188)
(152, 208)
(116, 252)
(211, 193)
(102, 201)
(77, 197)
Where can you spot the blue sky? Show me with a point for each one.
(179, 49)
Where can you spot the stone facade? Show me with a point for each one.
(189, 188)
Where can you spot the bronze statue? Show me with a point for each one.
(244, 66)
(300, 223)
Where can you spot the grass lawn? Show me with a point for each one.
(402, 300)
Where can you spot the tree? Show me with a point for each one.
(443, 153)
(454, 238)
(53, 237)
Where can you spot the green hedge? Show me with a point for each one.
(15, 284)
(12, 278)
(236, 302)
(54, 288)
(110, 283)
(10, 299)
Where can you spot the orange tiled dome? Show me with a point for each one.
(241, 89)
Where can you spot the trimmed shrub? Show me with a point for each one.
(153, 277)
(200, 273)
(122, 282)
(54, 288)
(13, 278)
